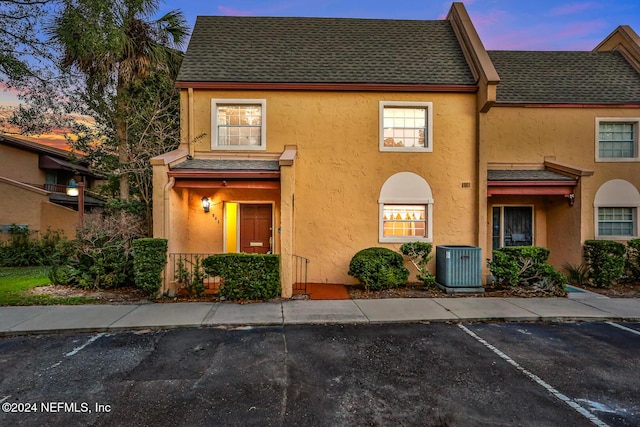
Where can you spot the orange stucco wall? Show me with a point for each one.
(519, 136)
(195, 231)
(339, 172)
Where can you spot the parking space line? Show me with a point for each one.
(624, 328)
(582, 411)
(78, 349)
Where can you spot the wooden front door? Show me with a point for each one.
(255, 229)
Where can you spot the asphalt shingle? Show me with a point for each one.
(226, 165)
(567, 77)
(324, 50)
(526, 175)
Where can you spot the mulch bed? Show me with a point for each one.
(411, 290)
(416, 290)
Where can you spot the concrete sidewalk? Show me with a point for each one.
(91, 318)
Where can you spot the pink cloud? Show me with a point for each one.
(581, 29)
(569, 9)
(8, 96)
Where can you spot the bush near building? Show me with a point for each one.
(378, 268)
(528, 266)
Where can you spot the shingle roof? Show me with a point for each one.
(227, 165)
(526, 175)
(324, 50)
(565, 77)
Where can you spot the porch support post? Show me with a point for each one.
(287, 224)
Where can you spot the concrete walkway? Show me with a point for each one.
(91, 318)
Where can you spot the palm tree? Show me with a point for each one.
(114, 45)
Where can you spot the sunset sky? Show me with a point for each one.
(501, 24)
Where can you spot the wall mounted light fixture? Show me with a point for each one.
(76, 189)
(206, 203)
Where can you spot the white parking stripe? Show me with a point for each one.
(591, 417)
(624, 328)
(78, 349)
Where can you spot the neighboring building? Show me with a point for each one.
(561, 147)
(33, 181)
(319, 137)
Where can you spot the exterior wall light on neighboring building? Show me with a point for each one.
(72, 188)
(206, 203)
(76, 189)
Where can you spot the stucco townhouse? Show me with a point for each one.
(314, 138)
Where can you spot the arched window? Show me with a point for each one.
(406, 209)
(616, 210)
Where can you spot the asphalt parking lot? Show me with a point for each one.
(489, 374)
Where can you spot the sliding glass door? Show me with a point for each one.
(512, 226)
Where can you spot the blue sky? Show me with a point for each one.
(501, 24)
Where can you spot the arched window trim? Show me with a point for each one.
(406, 188)
(617, 196)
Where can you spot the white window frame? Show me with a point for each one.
(636, 125)
(406, 188)
(428, 137)
(214, 124)
(616, 193)
(634, 223)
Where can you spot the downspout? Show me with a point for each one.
(166, 226)
(190, 123)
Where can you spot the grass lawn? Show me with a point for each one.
(16, 281)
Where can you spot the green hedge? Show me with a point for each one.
(378, 268)
(246, 276)
(149, 259)
(633, 260)
(526, 265)
(605, 260)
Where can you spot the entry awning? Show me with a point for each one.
(530, 183)
(206, 173)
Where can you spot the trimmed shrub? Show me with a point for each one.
(605, 260)
(528, 266)
(245, 276)
(419, 254)
(378, 268)
(632, 260)
(149, 259)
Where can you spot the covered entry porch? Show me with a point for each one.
(224, 205)
(536, 207)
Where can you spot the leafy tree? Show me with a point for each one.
(19, 38)
(116, 47)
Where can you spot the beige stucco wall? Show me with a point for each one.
(339, 171)
(31, 206)
(521, 135)
(20, 165)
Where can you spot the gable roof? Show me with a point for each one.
(566, 77)
(324, 50)
(34, 147)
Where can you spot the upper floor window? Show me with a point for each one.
(617, 140)
(238, 124)
(406, 126)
